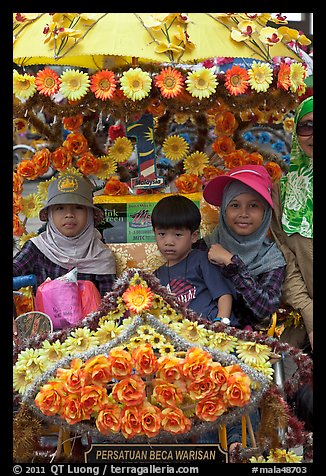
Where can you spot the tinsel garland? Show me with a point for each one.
(26, 429)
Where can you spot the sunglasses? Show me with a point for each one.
(305, 128)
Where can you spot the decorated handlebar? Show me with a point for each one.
(23, 281)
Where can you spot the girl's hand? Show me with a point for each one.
(219, 255)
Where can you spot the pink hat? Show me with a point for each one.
(255, 176)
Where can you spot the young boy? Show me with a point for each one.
(188, 274)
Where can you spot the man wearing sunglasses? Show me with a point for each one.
(292, 227)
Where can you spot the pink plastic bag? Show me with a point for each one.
(67, 303)
(61, 301)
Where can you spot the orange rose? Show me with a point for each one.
(72, 410)
(169, 368)
(99, 370)
(27, 169)
(274, 171)
(145, 361)
(238, 387)
(201, 388)
(18, 228)
(210, 172)
(174, 421)
(41, 159)
(88, 164)
(76, 143)
(109, 419)
(235, 159)
(188, 183)
(50, 398)
(130, 422)
(223, 145)
(129, 391)
(74, 378)
(17, 203)
(120, 363)
(255, 158)
(196, 363)
(225, 123)
(113, 186)
(92, 398)
(167, 394)
(219, 375)
(61, 158)
(150, 418)
(210, 408)
(17, 183)
(73, 123)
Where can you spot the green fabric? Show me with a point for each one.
(297, 184)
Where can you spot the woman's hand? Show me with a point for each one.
(219, 255)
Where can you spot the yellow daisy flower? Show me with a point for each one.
(260, 76)
(107, 331)
(283, 456)
(80, 340)
(157, 302)
(224, 342)
(265, 368)
(252, 352)
(175, 147)
(202, 83)
(52, 352)
(24, 85)
(121, 149)
(157, 340)
(136, 279)
(24, 238)
(107, 167)
(21, 379)
(30, 362)
(167, 349)
(195, 163)
(189, 329)
(135, 341)
(135, 84)
(74, 84)
(145, 331)
(259, 459)
(43, 187)
(31, 205)
(297, 76)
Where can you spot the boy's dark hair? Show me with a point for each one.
(176, 211)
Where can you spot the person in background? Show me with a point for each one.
(292, 226)
(70, 238)
(188, 274)
(246, 256)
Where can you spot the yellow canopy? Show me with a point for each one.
(100, 40)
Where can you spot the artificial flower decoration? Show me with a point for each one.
(274, 170)
(20, 125)
(103, 84)
(135, 84)
(195, 163)
(76, 143)
(260, 76)
(23, 85)
(225, 123)
(255, 158)
(252, 352)
(244, 30)
(270, 36)
(61, 158)
(170, 82)
(74, 84)
(175, 147)
(283, 77)
(114, 186)
(106, 167)
(47, 82)
(27, 169)
(236, 80)
(87, 164)
(41, 159)
(235, 159)
(73, 123)
(121, 149)
(188, 183)
(210, 172)
(202, 83)
(138, 298)
(298, 74)
(223, 145)
(31, 205)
